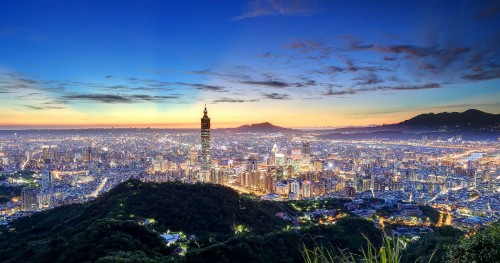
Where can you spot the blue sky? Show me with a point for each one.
(294, 63)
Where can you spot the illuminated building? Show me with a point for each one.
(350, 191)
(268, 183)
(318, 166)
(46, 179)
(296, 154)
(282, 188)
(86, 154)
(29, 199)
(306, 189)
(205, 143)
(279, 159)
(295, 187)
(252, 164)
(193, 156)
(306, 152)
(272, 159)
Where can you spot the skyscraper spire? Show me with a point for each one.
(205, 145)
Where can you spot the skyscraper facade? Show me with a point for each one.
(205, 142)
(306, 152)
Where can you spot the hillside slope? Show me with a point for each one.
(110, 229)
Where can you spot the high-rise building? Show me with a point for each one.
(46, 179)
(272, 158)
(252, 164)
(29, 199)
(306, 152)
(45, 152)
(193, 156)
(295, 187)
(205, 142)
(306, 189)
(268, 183)
(296, 154)
(349, 191)
(53, 152)
(86, 154)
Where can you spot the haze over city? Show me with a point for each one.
(292, 63)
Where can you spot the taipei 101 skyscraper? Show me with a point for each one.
(205, 143)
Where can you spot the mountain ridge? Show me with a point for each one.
(470, 118)
(259, 128)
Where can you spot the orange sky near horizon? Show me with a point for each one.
(222, 116)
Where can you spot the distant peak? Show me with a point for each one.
(261, 127)
(471, 118)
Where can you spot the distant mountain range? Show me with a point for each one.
(472, 124)
(469, 119)
(264, 127)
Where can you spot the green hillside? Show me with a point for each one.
(226, 227)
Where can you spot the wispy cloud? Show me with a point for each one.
(483, 75)
(351, 91)
(111, 98)
(276, 96)
(268, 83)
(233, 100)
(44, 108)
(258, 8)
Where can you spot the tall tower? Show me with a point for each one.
(205, 143)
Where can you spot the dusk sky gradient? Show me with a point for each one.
(292, 63)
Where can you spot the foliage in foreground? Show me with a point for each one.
(440, 246)
(389, 252)
(483, 246)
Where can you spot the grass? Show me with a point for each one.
(389, 252)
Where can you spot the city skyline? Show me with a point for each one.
(249, 131)
(297, 64)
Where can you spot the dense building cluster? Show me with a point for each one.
(460, 178)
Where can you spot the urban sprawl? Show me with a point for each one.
(461, 179)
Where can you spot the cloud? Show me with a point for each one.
(483, 75)
(165, 85)
(268, 83)
(356, 45)
(265, 55)
(351, 67)
(232, 100)
(200, 72)
(428, 66)
(352, 91)
(369, 79)
(44, 108)
(208, 87)
(320, 49)
(258, 8)
(153, 98)
(110, 98)
(414, 87)
(276, 96)
(105, 98)
(305, 84)
(332, 92)
(409, 49)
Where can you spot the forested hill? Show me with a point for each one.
(225, 225)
